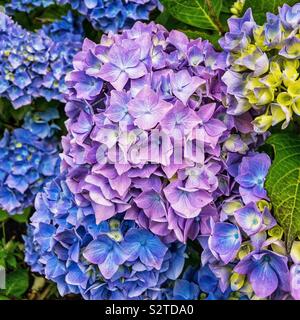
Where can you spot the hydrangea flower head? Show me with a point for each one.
(29, 158)
(263, 67)
(105, 15)
(112, 260)
(144, 110)
(34, 64)
(27, 5)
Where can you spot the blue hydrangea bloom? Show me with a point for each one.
(32, 254)
(67, 36)
(67, 29)
(34, 64)
(28, 159)
(111, 260)
(27, 5)
(108, 15)
(105, 15)
(202, 283)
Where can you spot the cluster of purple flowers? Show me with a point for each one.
(32, 64)
(111, 260)
(29, 157)
(105, 15)
(137, 102)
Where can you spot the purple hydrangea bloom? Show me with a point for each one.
(112, 260)
(133, 99)
(29, 158)
(34, 64)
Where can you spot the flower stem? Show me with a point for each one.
(214, 16)
(3, 233)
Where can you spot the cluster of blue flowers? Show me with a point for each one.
(108, 15)
(105, 15)
(203, 284)
(27, 5)
(112, 260)
(66, 30)
(32, 64)
(66, 35)
(28, 159)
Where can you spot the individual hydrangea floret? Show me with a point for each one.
(263, 63)
(267, 272)
(111, 260)
(146, 130)
(34, 64)
(29, 158)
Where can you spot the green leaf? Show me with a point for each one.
(3, 215)
(3, 297)
(18, 114)
(22, 218)
(171, 23)
(202, 14)
(17, 283)
(52, 13)
(261, 7)
(11, 261)
(283, 183)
